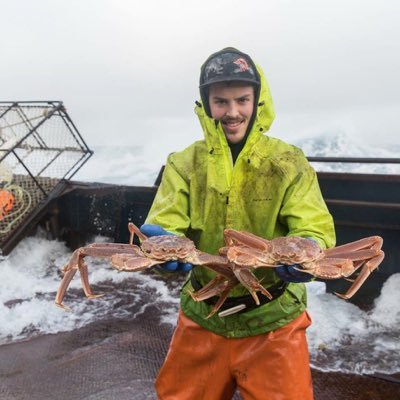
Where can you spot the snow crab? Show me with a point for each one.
(132, 258)
(246, 252)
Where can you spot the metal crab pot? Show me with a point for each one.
(39, 148)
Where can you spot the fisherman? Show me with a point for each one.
(239, 178)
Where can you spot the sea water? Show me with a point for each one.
(342, 336)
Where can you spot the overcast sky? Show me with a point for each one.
(128, 71)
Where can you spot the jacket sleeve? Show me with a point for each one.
(304, 211)
(170, 208)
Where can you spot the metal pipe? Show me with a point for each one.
(357, 203)
(367, 160)
(30, 173)
(364, 225)
(45, 118)
(29, 125)
(68, 121)
(8, 109)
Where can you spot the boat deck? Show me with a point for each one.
(118, 359)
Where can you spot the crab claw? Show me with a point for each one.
(251, 283)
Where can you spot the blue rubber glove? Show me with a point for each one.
(171, 266)
(289, 273)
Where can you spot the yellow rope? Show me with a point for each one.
(22, 200)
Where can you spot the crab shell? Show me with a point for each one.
(168, 247)
(295, 250)
(283, 250)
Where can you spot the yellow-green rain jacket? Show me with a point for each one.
(271, 191)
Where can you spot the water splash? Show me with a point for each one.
(340, 145)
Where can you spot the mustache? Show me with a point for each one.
(228, 120)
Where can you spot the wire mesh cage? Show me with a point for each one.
(39, 148)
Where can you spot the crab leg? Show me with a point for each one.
(357, 255)
(329, 268)
(214, 288)
(233, 237)
(133, 262)
(366, 270)
(69, 272)
(356, 266)
(219, 264)
(63, 288)
(134, 230)
(77, 262)
(250, 282)
(370, 245)
(221, 299)
(221, 286)
(335, 268)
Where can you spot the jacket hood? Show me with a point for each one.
(213, 132)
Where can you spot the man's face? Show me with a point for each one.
(233, 106)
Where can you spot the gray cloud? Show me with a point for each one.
(125, 67)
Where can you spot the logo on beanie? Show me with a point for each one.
(242, 64)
